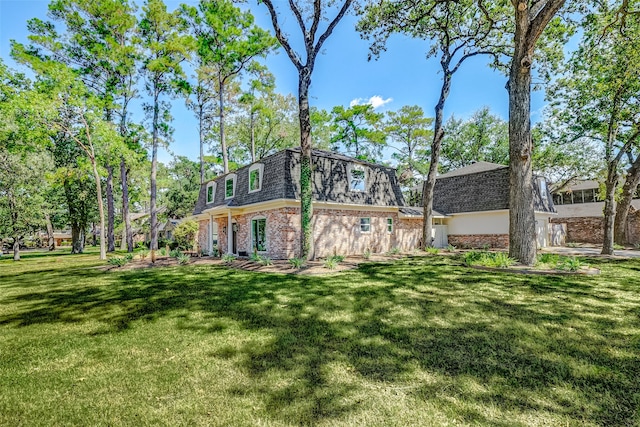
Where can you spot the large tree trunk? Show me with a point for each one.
(153, 217)
(223, 142)
(77, 237)
(16, 249)
(201, 135)
(609, 210)
(306, 172)
(522, 227)
(436, 145)
(51, 242)
(624, 205)
(111, 241)
(96, 176)
(124, 179)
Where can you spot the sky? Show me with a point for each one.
(343, 74)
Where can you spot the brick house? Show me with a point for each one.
(357, 206)
(581, 212)
(473, 206)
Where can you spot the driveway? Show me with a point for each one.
(591, 251)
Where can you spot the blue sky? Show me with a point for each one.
(401, 76)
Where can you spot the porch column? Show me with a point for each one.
(210, 234)
(229, 234)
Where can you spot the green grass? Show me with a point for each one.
(422, 341)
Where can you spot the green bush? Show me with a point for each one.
(451, 248)
(296, 263)
(175, 253)
(330, 263)
(183, 259)
(488, 259)
(432, 250)
(473, 257)
(338, 258)
(265, 261)
(129, 256)
(163, 251)
(255, 257)
(500, 260)
(394, 251)
(549, 259)
(228, 258)
(118, 261)
(572, 264)
(143, 254)
(185, 234)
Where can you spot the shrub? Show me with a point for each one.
(183, 259)
(296, 263)
(550, 259)
(394, 251)
(572, 264)
(366, 254)
(185, 234)
(265, 261)
(330, 263)
(143, 254)
(472, 257)
(432, 250)
(163, 251)
(255, 257)
(618, 247)
(500, 260)
(338, 258)
(228, 258)
(129, 256)
(118, 261)
(451, 248)
(175, 253)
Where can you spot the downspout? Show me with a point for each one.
(229, 234)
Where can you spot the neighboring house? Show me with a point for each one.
(581, 212)
(165, 229)
(473, 207)
(357, 206)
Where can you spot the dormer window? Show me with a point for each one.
(255, 177)
(211, 192)
(357, 177)
(230, 186)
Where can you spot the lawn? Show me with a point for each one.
(422, 341)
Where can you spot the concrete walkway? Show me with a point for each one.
(591, 251)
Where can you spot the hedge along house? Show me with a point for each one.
(357, 206)
(474, 201)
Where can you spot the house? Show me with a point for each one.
(165, 229)
(357, 206)
(473, 207)
(581, 212)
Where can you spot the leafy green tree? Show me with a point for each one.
(455, 31)
(183, 187)
(410, 133)
(165, 46)
(357, 132)
(308, 19)
(227, 41)
(320, 128)
(483, 137)
(185, 234)
(598, 97)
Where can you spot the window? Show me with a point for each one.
(365, 225)
(255, 177)
(357, 176)
(230, 186)
(259, 234)
(542, 183)
(211, 192)
(390, 225)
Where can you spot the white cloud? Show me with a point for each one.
(375, 101)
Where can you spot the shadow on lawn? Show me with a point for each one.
(517, 343)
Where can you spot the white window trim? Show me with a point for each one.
(266, 243)
(392, 225)
(260, 168)
(233, 178)
(353, 167)
(361, 224)
(213, 192)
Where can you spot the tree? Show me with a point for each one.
(482, 137)
(410, 132)
(531, 20)
(227, 41)
(357, 131)
(455, 31)
(320, 128)
(185, 234)
(181, 194)
(165, 47)
(598, 97)
(309, 24)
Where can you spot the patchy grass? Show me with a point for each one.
(421, 341)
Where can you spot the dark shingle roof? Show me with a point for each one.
(473, 168)
(481, 191)
(281, 181)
